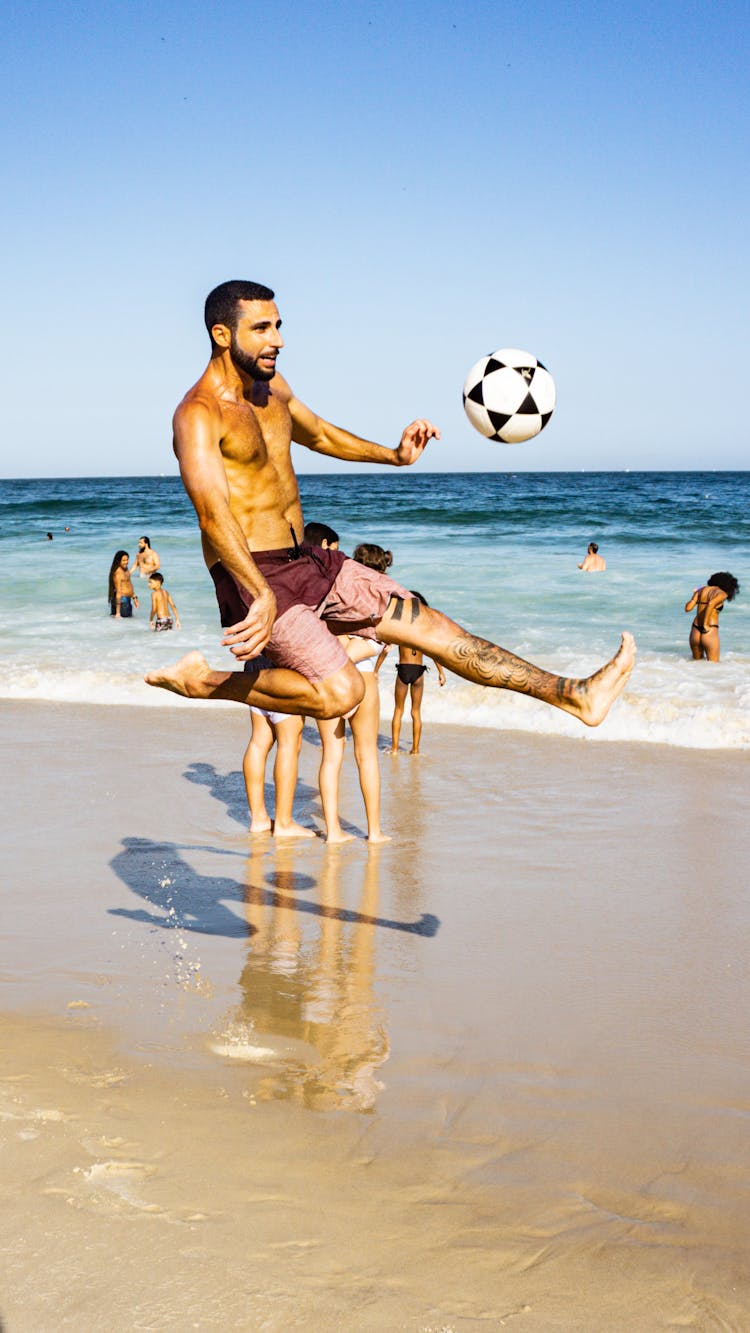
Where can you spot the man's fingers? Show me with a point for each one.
(245, 652)
(243, 632)
(423, 430)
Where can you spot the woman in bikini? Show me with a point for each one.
(410, 681)
(707, 602)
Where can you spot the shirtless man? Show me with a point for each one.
(121, 596)
(232, 437)
(147, 561)
(592, 562)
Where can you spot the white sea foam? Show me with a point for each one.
(695, 705)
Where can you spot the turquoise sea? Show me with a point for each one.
(497, 551)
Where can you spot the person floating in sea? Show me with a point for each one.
(161, 604)
(232, 436)
(410, 681)
(146, 561)
(120, 593)
(593, 562)
(708, 601)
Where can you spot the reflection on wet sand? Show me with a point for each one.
(309, 1012)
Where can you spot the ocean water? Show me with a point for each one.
(496, 551)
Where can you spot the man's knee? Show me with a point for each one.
(340, 692)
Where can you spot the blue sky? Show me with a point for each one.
(421, 184)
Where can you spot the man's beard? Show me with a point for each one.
(248, 364)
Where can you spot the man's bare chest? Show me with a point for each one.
(255, 435)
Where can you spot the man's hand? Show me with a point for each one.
(248, 638)
(414, 440)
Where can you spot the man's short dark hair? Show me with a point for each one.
(593, 547)
(317, 533)
(156, 577)
(221, 303)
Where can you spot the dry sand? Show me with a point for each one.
(493, 1074)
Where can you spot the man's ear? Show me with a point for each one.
(221, 335)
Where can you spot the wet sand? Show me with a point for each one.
(493, 1074)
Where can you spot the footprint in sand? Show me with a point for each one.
(120, 1180)
(102, 1078)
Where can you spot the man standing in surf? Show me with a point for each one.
(232, 436)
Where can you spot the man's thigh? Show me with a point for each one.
(301, 642)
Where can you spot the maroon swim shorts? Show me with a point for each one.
(310, 587)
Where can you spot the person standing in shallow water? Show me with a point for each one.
(410, 674)
(146, 561)
(122, 599)
(707, 602)
(232, 436)
(593, 562)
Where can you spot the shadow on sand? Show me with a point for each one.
(158, 873)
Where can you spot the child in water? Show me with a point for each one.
(161, 604)
(410, 680)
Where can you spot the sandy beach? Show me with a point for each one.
(492, 1074)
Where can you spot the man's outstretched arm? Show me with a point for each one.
(196, 444)
(322, 437)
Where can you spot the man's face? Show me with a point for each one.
(141, 545)
(256, 339)
(124, 561)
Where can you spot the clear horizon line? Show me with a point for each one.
(423, 472)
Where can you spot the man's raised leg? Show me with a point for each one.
(279, 689)
(413, 625)
(408, 623)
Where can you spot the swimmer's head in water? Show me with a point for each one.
(727, 583)
(593, 548)
(374, 557)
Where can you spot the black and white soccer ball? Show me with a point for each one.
(509, 396)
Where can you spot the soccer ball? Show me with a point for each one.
(509, 396)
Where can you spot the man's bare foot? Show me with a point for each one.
(392, 751)
(191, 677)
(338, 835)
(293, 831)
(596, 695)
(376, 836)
(414, 753)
